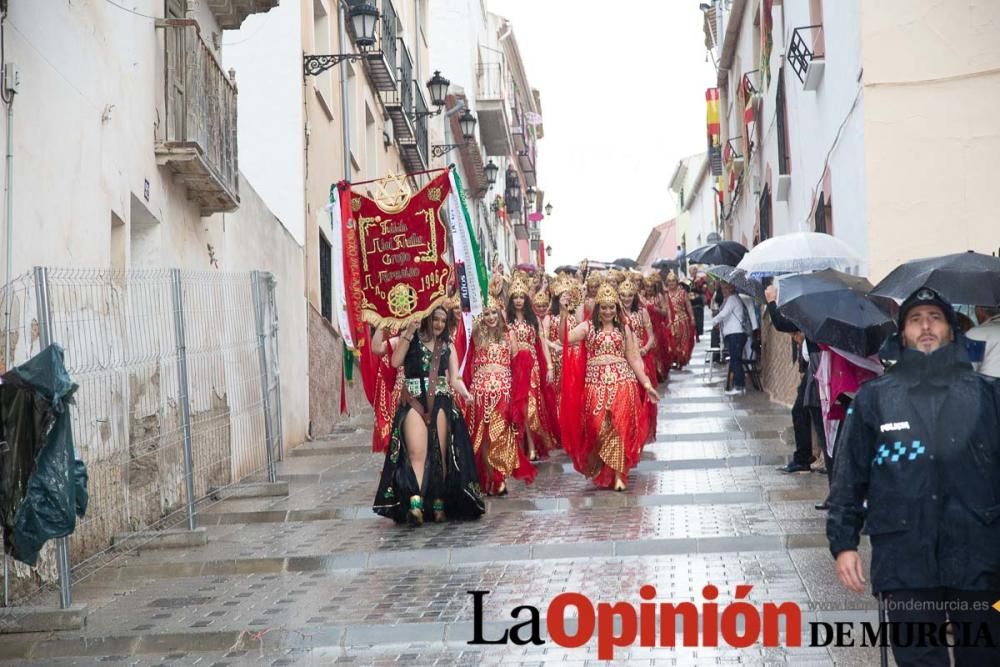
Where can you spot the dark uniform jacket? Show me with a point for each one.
(922, 445)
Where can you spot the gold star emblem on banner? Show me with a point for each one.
(996, 605)
(392, 192)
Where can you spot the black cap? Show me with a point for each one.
(925, 296)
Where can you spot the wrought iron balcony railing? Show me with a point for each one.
(198, 138)
(801, 52)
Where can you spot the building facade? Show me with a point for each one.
(818, 130)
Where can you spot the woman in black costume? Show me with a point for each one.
(430, 452)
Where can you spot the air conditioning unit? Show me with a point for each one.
(814, 73)
(782, 187)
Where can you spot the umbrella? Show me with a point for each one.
(833, 308)
(965, 277)
(626, 263)
(797, 252)
(740, 279)
(665, 264)
(567, 268)
(723, 252)
(527, 267)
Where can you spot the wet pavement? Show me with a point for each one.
(316, 578)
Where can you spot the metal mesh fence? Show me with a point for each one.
(174, 369)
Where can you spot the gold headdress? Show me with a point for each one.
(518, 286)
(671, 275)
(650, 280)
(493, 303)
(496, 284)
(560, 284)
(606, 295)
(575, 294)
(541, 299)
(593, 280)
(628, 289)
(615, 276)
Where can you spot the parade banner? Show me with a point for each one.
(395, 255)
(470, 270)
(337, 251)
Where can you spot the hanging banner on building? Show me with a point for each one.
(395, 260)
(714, 131)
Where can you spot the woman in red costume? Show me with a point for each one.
(562, 318)
(529, 369)
(681, 320)
(387, 389)
(611, 399)
(656, 306)
(642, 327)
(494, 438)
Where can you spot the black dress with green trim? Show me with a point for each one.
(454, 480)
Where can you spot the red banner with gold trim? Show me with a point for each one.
(400, 269)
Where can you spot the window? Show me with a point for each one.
(371, 145)
(784, 163)
(325, 278)
(765, 214)
(823, 216)
(322, 83)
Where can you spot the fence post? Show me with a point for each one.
(182, 383)
(279, 428)
(45, 339)
(258, 310)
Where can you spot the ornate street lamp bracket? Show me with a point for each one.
(314, 65)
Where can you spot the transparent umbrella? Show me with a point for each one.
(799, 252)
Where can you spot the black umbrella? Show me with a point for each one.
(723, 252)
(665, 264)
(833, 308)
(567, 268)
(739, 279)
(965, 277)
(626, 263)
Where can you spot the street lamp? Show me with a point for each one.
(467, 122)
(529, 196)
(548, 250)
(364, 18)
(548, 209)
(438, 88)
(491, 171)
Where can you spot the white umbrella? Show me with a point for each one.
(798, 252)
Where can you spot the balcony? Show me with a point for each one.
(526, 162)
(806, 57)
(491, 106)
(231, 13)
(399, 102)
(414, 151)
(198, 139)
(380, 58)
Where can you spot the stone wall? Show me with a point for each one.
(326, 364)
(779, 372)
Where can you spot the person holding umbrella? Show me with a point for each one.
(806, 412)
(917, 465)
(734, 321)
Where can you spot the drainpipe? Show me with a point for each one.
(345, 109)
(9, 88)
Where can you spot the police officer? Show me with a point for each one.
(921, 445)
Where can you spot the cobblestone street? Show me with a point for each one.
(316, 578)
